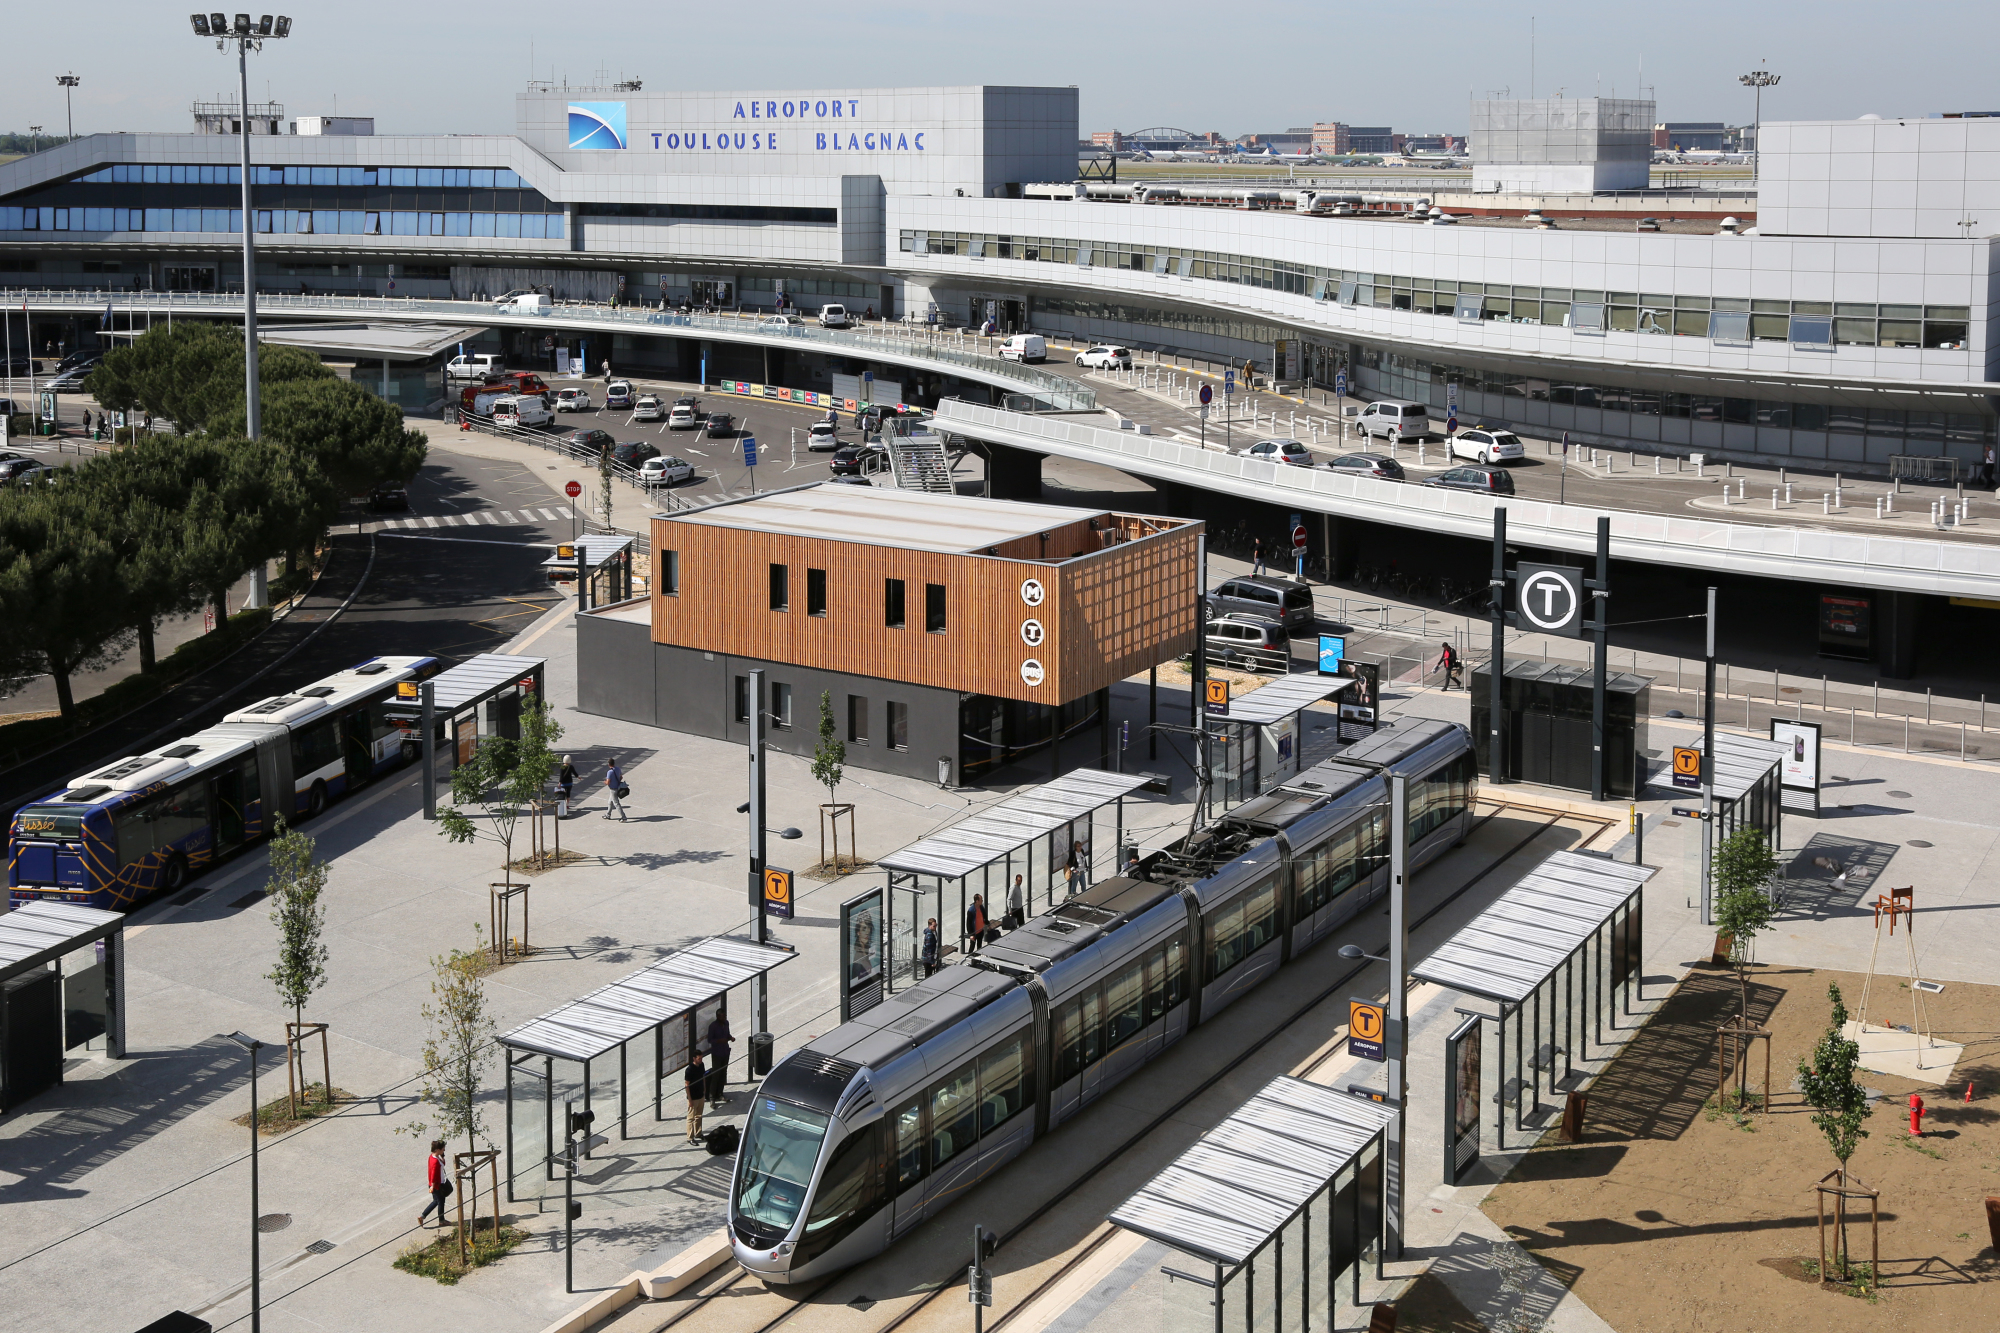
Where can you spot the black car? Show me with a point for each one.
(849, 481)
(1485, 480)
(15, 464)
(632, 452)
(84, 359)
(1368, 465)
(388, 495)
(721, 423)
(590, 442)
(846, 461)
(70, 381)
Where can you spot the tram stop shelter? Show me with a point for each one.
(479, 698)
(1260, 734)
(600, 563)
(1278, 1201)
(1029, 834)
(1552, 952)
(53, 996)
(673, 1000)
(1748, 794)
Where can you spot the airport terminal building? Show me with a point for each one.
(1840, 314)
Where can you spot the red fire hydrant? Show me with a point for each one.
(1916, 1115)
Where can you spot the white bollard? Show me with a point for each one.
(1656, 465)
(1825, 503)
(1788, 494)
(1774, 497)
(1742, 488)
(1889, 504)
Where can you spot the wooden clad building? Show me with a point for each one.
(944, 627)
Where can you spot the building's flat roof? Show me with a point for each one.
(879, 516)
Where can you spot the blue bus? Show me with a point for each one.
(148, 823)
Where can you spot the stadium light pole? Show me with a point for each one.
(248, 36)
(68, 81)
(1758, 80)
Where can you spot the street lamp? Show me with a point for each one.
(1353, 951)
(252, 1045)
(1759, 80)
(68, 81)
(248, 36)
(34, 139)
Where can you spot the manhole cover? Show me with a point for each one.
(1791, 689)
(1918, 842)
(270, 1222)
(1670, 823)
(1900, 795)
(319, 1247)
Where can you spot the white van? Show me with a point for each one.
(517, 411)
(1395, 419)
(834, 317)
(474, 367)
(523, 303)
(1027, 348)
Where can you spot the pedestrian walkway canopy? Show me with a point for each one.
(591, 557)
(39, 933)
(1029, 834)
(1573, 918)
(1283, 1196)
(479, 698)
(674, 999)
(1261, 729)
(1748, 794)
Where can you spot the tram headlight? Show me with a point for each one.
(783, 1249)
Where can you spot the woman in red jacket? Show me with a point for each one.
(440, 1183)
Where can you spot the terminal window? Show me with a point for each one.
(899, 726)
(857, 719)
(816, 592)
(781, 588)
(934, 608)
(892, 603)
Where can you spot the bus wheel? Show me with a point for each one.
(173, 875)
(316, 802)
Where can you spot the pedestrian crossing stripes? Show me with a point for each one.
(496, 517)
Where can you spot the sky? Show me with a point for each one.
(1254, 66)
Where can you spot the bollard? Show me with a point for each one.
(1824, 507)
(1656, 465)
(1788, 495)
(1774, 497)
(1836, 490)
(1878, 506)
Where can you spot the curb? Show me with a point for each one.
(671, 1278)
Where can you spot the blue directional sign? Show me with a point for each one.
(749, 451)
(1332, 647)
(1340, 384)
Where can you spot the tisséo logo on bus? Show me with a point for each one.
(597, 125)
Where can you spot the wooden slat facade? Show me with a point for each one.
(1108, 612)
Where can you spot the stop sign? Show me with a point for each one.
(1299, 537)
(575, 489)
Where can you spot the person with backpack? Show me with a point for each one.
(440, 1183)
(696, 1079)
(1448, 663)
(565, 784)
(614, 786)
(975, 923)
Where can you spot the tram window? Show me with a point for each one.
(1326, 871)
(1069, 1041)
(849, 1191)
(954, 1117)
(1243, 927)
(1372, 851)
(1177, 978)
(1156, 984)
(1124, 1006)
(909, 1122)
(1001, 1093)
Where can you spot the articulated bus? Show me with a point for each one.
(145, 824)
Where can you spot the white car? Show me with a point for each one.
(779, 323)
(684, 417)
(618, 393)
(822, 435)
(1279, 451)
(834, 317)
(1105, 357)
(573, 400)
(649, 408)
(1487, 446)
(665, 470)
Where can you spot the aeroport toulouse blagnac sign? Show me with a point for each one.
(808, 122)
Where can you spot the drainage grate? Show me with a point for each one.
(270, 1222)
(319, 1247)
(249, 898)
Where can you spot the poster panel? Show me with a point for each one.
(861, 937)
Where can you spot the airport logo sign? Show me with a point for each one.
(597, 125)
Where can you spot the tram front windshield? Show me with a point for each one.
(780, 1145)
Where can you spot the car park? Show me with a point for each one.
(618, 394)
(1395, 419)
(573, 400)
(855, 480)
(822, 435)
(633, 452)
(27, 472)
(1485, 480)
(1486, 446)
(1287, 601)
(834, 317)
(683, 417)
(1279, 451)
(388, 495)
(649, 408)
(86, 357)
(1253, 639)
(720, 423)
(70, 381)
(665, 470)
(522, 410)
(1379, 466)
(1105, 357)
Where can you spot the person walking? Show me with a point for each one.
(1079, 868)
(607, 372)
(1017, 905)
(86, 421)
(696, 1080)
(719, 1038)
(566, 784)
(614, 785)
(975, 923)
(930, 947)
(440, 1183)
(1257, 555)
(1447, 663)
(1986, 468)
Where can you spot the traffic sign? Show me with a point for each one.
(749, 451)
(573, 490)
(1687, 767)
(1551, 599)
(1366, 1021)
(1340, 384)
(778, 893)
(1205, 394)
(1299, 538)
(1217, 698)
(1687, 812)
(1229, 377)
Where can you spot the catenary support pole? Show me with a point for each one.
(1708, 768)
(760, 985)
(1399, 1014)
(1601, 633)
(1496, 667)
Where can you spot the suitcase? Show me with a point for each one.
(722, 1140)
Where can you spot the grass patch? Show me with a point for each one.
(1735, 1107)
(439, 1258)
(1861, 1279)
(1918, 1145)
(275, 1116)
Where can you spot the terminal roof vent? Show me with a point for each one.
(182, 751)
(89, 793)
(371, 668)
(317, 691)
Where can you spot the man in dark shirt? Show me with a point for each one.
(719, 1038)
(696, 1079)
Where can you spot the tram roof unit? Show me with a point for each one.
(323, 696)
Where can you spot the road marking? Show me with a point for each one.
(430, 522)
(564, 512)
(487, 514)
(507, 514)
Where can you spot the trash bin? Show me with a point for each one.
(760, 1053)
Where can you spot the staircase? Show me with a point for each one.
(919, 463)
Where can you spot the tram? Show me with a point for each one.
(890, 1118)
(143, 825)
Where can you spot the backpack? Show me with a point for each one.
(722, 1140)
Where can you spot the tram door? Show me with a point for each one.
(357, 747)
(907, 1124)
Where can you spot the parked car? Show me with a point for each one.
(1271, 595)
(822, 435)
(721, 423)
(573, 400)
(1485, 480)
(1027, 348)
(70, 381)
(834, 317)
(855, 480)
(523, 303)
(27, 472)
(665, 470)
(1487, 446)
(1242, 637)
(591, 442)
(474, 366)
(1395, 419)
(649, 408)
(632, 452)
(1368, 465)
(1279, 451)
(618, 394)
(683, 417)
(388, 495)
(86, 356)
(846, 461)
(779, 323)
(1105, 357)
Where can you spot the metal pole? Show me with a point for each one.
(1153, 712)
(1497, 666)
(430, 750)
(253, 405)
(256, 1262)
(1197, 702)
(1399, 1014)
(1601, 632)
(759, 931)
(1708, 767)
(569, 1194)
